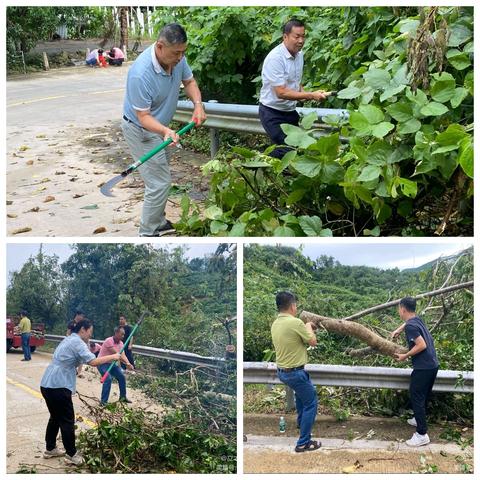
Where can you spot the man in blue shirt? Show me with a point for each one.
(153, 87)
(425, 367)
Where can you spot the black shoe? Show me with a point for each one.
(167, 229)
(124, 400)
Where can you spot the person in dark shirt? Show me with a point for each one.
(128, 350)
(425, 367)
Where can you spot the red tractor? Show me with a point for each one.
(14, 337)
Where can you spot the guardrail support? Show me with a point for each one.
(290, 399)
(214, 138)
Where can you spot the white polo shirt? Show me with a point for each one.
(281, 68)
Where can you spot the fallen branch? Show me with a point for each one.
(393, 303)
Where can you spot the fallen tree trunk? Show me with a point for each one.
(354, 329)
(376, 343)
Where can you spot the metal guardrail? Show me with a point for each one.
(175, 356)
(242, 118)
(364, 377)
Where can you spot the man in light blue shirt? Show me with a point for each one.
(282, 85)
(153, 87)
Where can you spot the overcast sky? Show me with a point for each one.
(18, 254)
(386, 255)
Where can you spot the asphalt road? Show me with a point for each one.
(63, 142)
(27, 414)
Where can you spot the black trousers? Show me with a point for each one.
(115, 61)
(129, 355)
(271, 120)
(421, 384)
(62, 417)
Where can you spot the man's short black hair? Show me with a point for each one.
(118, 328)
(79, 311)
(293, 22)
(173, 34)
(284, 300)
(409, 304)
(85, 323)
(23, 313)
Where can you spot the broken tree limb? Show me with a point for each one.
(354, 329)
(393, 303)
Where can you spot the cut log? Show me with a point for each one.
(354, 329)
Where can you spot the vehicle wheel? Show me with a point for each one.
(32, 349)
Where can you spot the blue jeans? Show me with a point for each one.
(116, 372)
(26, 346)
(305, 401)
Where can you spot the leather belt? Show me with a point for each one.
(291, 369)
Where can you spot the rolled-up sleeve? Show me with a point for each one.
(82, 353)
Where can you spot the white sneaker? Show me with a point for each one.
(412, 422)
(418, 440)
(56, 452)
(75, 460)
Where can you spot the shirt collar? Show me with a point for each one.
(156, 65)
(286, 52)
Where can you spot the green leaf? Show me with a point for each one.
(349, 93)
(256, 164)
(418, 97)
(377, 78)
(90, 207)
(213, 212)
(359, 122)
(433, 109)
(405, 208)
(373, 114)
(283, 232)
(312, 226)
(296, 136)
(465, 158)
(326, 232)
(382, 211)
(244, 152)
(408, 187)
(468, 82)
(452, 135)
(374, 232)
(391, 91)
(458, 59)
(217, 227)
(443, 88)
(369, 173)
(238, 230)
(459, 96)
(327, 145)
(411, 126)
(308, 120)
(358, 148)
(308, 166)
(382, 129)
(447, 148)
(295, 196)
(401, 111)
(378, 153)
(459, 33)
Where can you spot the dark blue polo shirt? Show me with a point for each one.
(428, 358)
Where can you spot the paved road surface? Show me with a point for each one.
(63, 142)
(27, 414)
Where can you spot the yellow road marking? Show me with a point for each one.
(35, 100)
(37, 394)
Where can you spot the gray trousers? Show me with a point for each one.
(155, 174)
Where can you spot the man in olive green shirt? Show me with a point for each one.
(25, 327)
(290, 338)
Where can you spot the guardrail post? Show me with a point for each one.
(46, 65)
(214, 138)
(289, 399)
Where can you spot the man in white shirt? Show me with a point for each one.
(282, 85)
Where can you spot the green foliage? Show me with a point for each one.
(409, 147)
(195, 434)
(107, 280)
(328, 288)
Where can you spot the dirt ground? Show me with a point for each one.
(27, 414)
(361, 445)
(63, 142)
